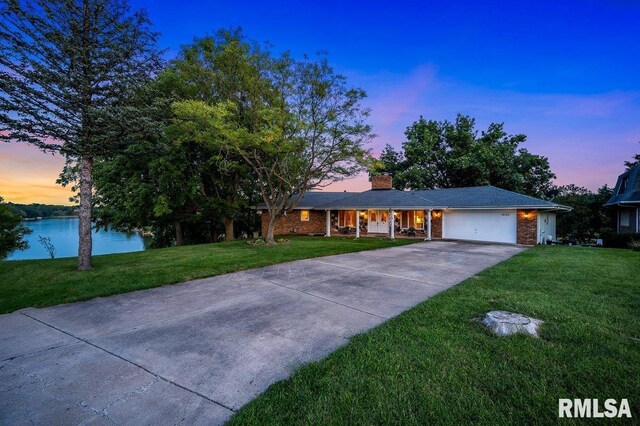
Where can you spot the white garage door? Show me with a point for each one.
(480, 225)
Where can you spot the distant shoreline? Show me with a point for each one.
(31, 219)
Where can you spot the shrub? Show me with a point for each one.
(257, 242)
(635, 245)
(614, 240)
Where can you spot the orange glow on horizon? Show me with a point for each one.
(28, 175)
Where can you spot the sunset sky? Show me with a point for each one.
(566, 74)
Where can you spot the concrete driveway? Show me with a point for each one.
(197, 351)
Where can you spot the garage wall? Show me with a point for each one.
(491, 225)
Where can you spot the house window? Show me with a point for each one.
(304, 215)
(404, 219)
(412, 219)
(623, 186)
(347, 218)
(418, 219)
(625, 218)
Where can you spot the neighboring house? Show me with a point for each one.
(626, 201)
(483, 213)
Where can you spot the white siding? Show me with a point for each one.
(546, 226)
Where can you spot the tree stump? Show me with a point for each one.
(505, 323)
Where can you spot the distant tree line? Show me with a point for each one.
(28, 211)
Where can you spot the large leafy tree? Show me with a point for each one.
(151, 183)
(215, 70)
(316, 134)
(67, 71)
(303, 127)
(444, 154)
(171, 179)
(12, 231)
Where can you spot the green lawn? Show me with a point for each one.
(435, 364)
(50, 282)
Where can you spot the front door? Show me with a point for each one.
(378, 222)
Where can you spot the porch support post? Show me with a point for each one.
(328, 230)
(428, 226)
(357, 223)
(392, 221)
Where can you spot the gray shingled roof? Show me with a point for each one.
(631, 195)
(471, 197)
(385, 198)
(313, 199)
(484, 197)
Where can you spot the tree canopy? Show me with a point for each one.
(171, 180)
(296, 124)
(444, 154)
(632, 163)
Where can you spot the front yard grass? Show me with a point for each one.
(435, 364)
(49, 282)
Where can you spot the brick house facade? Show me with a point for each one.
(473, 214)
(527, 227)
(292, 223)
(436, 224)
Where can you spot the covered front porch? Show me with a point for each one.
(409, 223)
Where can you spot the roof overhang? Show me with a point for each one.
(387, 207)
(624, 203)
(382, 208)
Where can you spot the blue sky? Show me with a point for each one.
(565, 73)
(574, 47)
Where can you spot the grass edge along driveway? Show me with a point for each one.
(435, 364)
(48, 282)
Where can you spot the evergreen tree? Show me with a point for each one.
(67, 72)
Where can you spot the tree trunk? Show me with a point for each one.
(179, 234)
(213, 234)
(228, 229)
(84, 229)
(271, 227)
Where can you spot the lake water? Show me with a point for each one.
(64, 237)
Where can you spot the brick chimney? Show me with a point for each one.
(383, 181)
